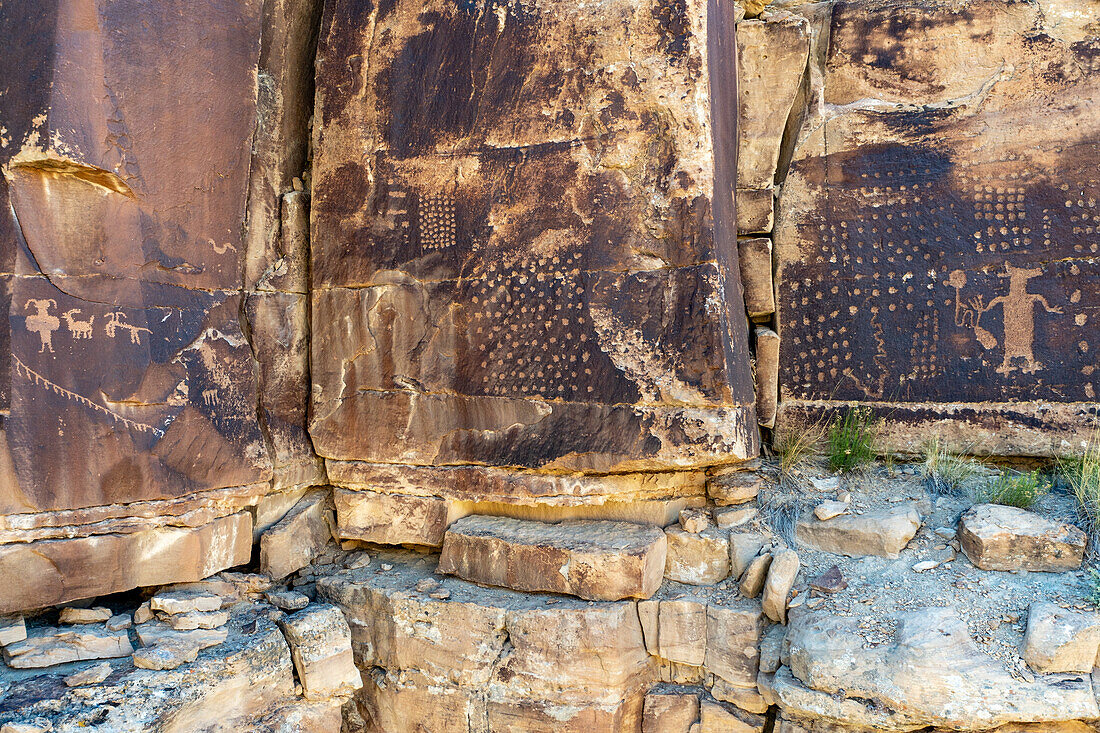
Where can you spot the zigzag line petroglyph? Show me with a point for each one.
(38, 379)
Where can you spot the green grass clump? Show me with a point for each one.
(945, 472)
(796, 445)
(1082, 474)
(1014, 489)
(851, 441)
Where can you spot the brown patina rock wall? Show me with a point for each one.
(938, 232)
(154, 379)
(517, 262)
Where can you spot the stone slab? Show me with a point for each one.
(591, 559)
(57, 571)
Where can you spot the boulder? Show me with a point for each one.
(287, 600)
(371, 516)
(997, 537)
(292, 542)
(320, 645)
(781, 576)
(883, 533)
(1059, 640)
(119, 622)
(667, 710)
(931, 674)
(591, 559)
(50, 646)
(697, 559)
(158, 633)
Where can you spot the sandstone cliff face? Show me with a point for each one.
(154, 378)
(936, 240)
(517, 261)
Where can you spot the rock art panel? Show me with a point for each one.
(130, 376)
(938, 232)
(515, 255)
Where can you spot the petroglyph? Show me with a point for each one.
(117, 320)
(79, 329)
(42, 321)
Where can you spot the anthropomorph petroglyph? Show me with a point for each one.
(79, 329)
(117, 320)
(42, 322)
(1019, 317)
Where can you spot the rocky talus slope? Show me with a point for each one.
(899, 611)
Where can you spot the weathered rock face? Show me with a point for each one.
(516, 258)
(150, 392)
(936, 242)
(930, 674)
(457, 657)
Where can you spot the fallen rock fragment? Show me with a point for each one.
(1059, 640)
(781, 577)
(734, 487)
(733, 640)
(997, 537)
(831, 581)
(184, 601)
(597, 560)
(12, 629)
(197, 620)
(752, 582)
(96, 615)
(682, 631)
(292, 542)
(697, 559)
(731, 518)
(320, 645)
(166, 655)
(883, 533)
(714, 717)
(694, 520)
(829, 509)
(91, 676)
(59, 646)
(144, 613)
(287, 600)
(155, 633)
(744, 546)
(120, 622)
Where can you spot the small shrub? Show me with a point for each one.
(1092, 586)
(1014, 489)
(1082, 474)
(851, 440)
(795, 445)
(945, 472)
(782, 515)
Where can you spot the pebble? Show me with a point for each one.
(441, 595)
(119, 622)
(387, 567)
(359, 561)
